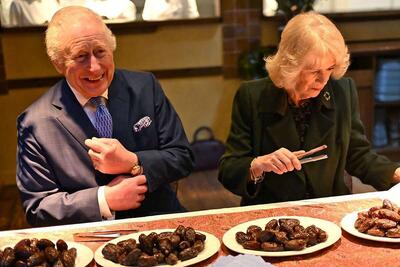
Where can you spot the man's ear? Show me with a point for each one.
(59, 66)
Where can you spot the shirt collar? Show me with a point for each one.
(82, 99)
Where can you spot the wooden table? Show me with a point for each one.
(348, 251)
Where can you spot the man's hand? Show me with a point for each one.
(279, 162)
(110, 156)
(124, 193)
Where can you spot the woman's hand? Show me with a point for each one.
(279, 162)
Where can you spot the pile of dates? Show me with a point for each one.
(279, 235)
(38, 252)
(383, 221)
(152, 249)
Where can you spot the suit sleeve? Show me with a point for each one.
(235, 163)
(362, 162)
(43, 198)
(173, 158)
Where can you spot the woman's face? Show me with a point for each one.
(313, 77)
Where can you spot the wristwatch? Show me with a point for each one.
(136, 170)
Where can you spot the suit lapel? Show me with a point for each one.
(119, 101)
(72, 116)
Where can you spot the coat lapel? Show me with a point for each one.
(322, 124)
(322, 119)
(284, 133)
(277, 120)
(72, 116)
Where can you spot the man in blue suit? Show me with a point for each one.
(67, 172)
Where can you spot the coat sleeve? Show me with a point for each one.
(173, 158)
(43, 198)
(235, 163)
(362, 162)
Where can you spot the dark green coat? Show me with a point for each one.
(262, 123)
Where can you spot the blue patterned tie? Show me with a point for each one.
(103, 123)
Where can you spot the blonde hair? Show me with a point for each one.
(61, 20)
(305, 34)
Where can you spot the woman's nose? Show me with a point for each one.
(323, 76)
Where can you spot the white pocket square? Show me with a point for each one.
(142, 123)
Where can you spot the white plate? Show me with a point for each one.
(84, 255)
(333, 231)
(211, 246)
(347, 224)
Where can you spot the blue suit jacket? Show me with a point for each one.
(55, 175)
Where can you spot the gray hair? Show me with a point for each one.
(60, 21)
(304, 34)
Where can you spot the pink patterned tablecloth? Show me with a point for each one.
(348, 251)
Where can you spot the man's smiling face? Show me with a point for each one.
(89, 62)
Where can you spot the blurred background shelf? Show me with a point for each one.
(392, 152)
(388, 104)
(374, 69)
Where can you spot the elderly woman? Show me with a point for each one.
(305, 103)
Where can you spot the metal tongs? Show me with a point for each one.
(102, 235)
(306, 156)
(303, 158)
